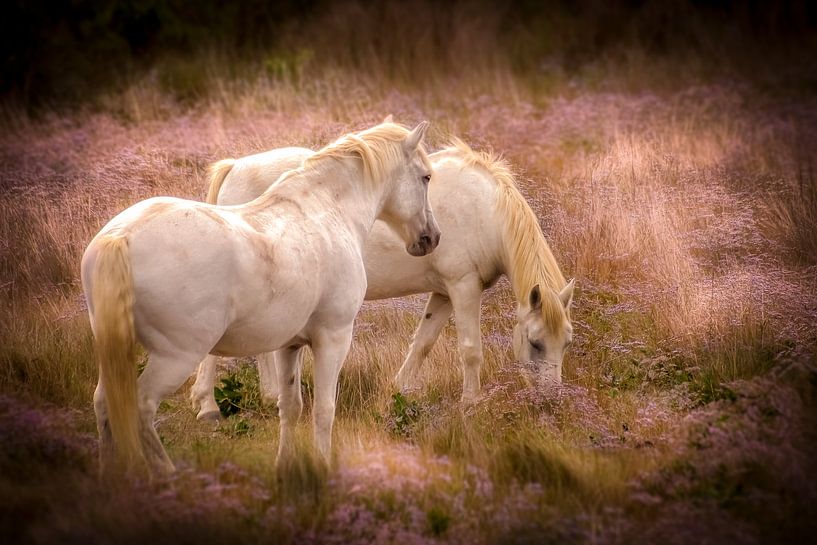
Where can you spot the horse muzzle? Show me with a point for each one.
(425, 244)
(550, 371)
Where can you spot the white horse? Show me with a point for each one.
(487, 229)
(285, 270)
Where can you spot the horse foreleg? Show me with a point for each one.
(201, 393)
(330, 349)
(466, 298)
(290, 402)
(437, 312)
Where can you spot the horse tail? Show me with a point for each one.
(217, 172)
(112, 300)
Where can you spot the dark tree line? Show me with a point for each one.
(64, 50)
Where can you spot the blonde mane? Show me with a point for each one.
(528, 258)
(379, 148)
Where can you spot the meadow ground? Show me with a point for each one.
(686, 213)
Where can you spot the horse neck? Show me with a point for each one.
(333, 185)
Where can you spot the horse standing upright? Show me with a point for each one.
(487, 229)
(186, 279)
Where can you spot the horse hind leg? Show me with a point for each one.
(268, 377)
(201, 393)
(438, 310)
(163, 375)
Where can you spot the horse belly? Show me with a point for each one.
(248, 341)
(398, 278)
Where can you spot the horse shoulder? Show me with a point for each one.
(463, 199)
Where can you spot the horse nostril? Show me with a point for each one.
(425, 240)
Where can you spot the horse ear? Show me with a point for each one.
(566, 295)
(416, 136)
(535, 298)
(388, 119)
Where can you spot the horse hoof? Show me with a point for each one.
(209, 416)
(404, 385)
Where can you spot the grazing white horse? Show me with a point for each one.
(487, 229)
(285, 270)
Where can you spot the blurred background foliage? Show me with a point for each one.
(65, 52)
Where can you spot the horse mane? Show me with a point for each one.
(528, 258)
(216, 173)
(378, 148)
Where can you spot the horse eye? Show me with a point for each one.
(427, 178)
(537, 345)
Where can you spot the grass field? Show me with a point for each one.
(681, 197)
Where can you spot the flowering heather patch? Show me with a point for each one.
(35, 440)
(389, 494)
(742, 460)
(517, 393)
